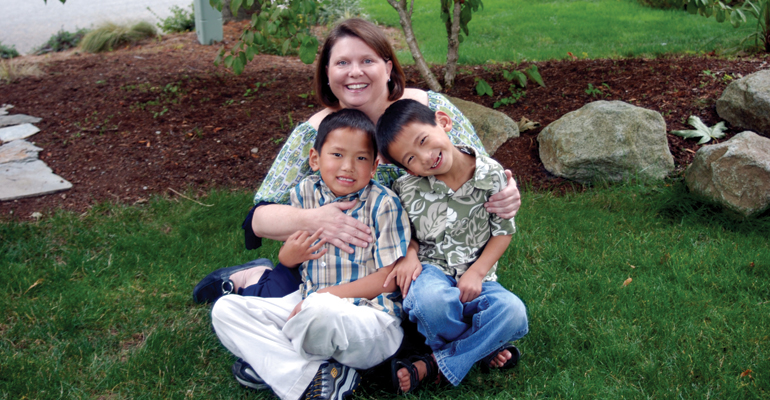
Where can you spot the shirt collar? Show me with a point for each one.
(478, 180)
(330, 197)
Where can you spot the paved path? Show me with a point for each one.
(28, 24)
(22, 174)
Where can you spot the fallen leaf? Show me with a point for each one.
(627, 282)
(746, 373)
(218, 129)
(39, 281)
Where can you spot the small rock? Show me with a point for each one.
(255, 150)
(18, 119)
(18, 132)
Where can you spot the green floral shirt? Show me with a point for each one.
(291, 164)
(451, 227)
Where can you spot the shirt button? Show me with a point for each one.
(323, 264)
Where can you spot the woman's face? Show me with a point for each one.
(357, 75)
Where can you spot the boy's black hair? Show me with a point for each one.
(345, 118)
(393, 121)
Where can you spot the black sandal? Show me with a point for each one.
(515, 356)
(432, 371)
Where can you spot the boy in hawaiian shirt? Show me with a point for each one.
(465, 315)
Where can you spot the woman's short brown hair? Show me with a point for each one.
(374, 38)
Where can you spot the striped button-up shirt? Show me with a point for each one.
(377, 207)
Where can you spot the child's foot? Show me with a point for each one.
(333, 381)
(502, 358)
(411, 372)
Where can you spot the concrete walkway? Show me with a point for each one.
(22, 174)
(28, 24)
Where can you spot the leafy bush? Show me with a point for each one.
(63, 40)
(111, 35)
(331, 11)
(8, 52)
(181, 20)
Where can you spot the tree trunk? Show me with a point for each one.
(453, 46)
(405, 18)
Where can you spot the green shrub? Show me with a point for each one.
(180, 20)
(63, 40)
(110, 35)
(8, 52)
(331, 11)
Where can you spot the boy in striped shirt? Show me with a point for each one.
(309, 344)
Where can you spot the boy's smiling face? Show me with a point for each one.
(423, 149)
(347, 161)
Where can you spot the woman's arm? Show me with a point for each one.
(278, 222)
(506, 202)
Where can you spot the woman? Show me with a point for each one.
(357, 68)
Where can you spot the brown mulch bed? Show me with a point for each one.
(160, 117)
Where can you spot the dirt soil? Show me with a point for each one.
(160, 118)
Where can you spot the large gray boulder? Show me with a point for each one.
(745, 103)
(493, 127)
(607, 140)
(735, 173)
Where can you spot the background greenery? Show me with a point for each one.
(99, 305)
(536, 30)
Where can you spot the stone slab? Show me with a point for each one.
(18, 119)
(27, 179)
(18, 132)
(18, 150)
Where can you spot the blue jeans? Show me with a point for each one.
(460, 334)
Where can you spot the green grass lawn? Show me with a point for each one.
(99, 305)
(518, 30)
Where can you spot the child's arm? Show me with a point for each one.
(470, 283)
(367, 287)
(299, 248)
(406, 269)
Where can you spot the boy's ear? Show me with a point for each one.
(376, 163)
(313, 160)
(444, 121)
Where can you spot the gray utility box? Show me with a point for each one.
(208, 22)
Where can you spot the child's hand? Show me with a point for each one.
(299, 248)
(469, 285)
(295, 311)
(405, 270)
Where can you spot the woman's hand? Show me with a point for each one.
(299, 248)
(342, 230)
(506, 202)
(470, 285)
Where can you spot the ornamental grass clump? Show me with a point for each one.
(110, 36)
(11, 70)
